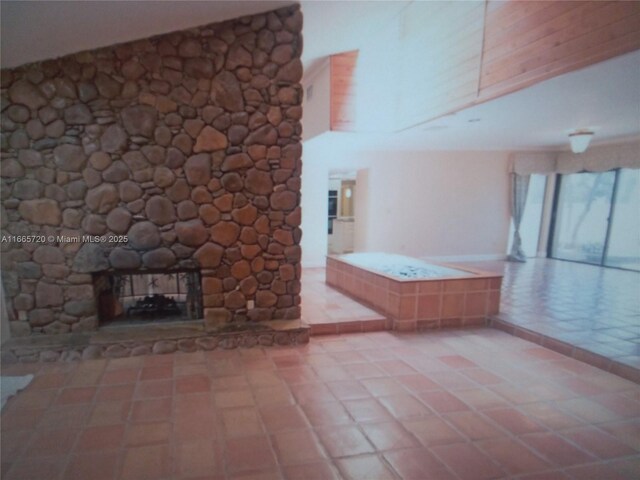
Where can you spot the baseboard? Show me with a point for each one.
(465, 258)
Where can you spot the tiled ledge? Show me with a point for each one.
(564, 348)
(355, 326)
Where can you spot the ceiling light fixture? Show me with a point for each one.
(580, 140)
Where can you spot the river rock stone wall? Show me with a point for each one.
(177, 151)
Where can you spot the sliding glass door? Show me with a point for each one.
(582, 212)
(623, 247)
(597, 219)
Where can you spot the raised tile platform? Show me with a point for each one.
(328, 311)
(420, 304)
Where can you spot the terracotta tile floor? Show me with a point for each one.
(584, 307)
(456, 404)
(328, 311)
(592, 308)
(452, 404)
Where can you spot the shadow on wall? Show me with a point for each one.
(5, 333)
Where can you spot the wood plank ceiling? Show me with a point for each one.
(452, 55)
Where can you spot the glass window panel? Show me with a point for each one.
(582, 213)
(623, 250)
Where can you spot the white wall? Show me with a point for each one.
(319, 103)
(361, 210)
(421, 204)
(315, 205)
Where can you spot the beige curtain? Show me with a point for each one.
(519, 190)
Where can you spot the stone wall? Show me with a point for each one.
(177, 151)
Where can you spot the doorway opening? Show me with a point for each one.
(341, 214)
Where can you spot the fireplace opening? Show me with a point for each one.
(137, 298)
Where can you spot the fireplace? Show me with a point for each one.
(174, 155)
(134, 298)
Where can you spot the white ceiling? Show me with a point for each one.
(604, 97)
(340, 26)
(38, 30)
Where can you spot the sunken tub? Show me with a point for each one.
(415, 295)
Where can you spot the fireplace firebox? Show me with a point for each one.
(148, 297)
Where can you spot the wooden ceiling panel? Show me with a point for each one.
(343, 91)
(558, 38)
(452, 55)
